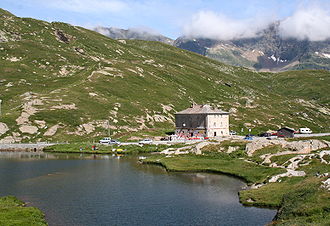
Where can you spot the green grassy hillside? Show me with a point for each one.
(60, 82)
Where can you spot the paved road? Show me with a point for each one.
(295, 136)
(312, 135)
(25, 147)
(165, 142)
(40, 146)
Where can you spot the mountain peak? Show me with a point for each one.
(268, 51)
(133, 33)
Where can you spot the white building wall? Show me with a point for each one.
(217, 125)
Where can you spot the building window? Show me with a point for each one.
(215, 134)
(215, 124)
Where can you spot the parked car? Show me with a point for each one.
(105, 140)
(305, 130)
(146, 141)
(232, 133)
(247, 137)
(264, 134)
(114, 142)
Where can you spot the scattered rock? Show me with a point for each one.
(178, 151)
(3, 128)
(9, 84)
(232, 149)
(299, 147)
(10, 139)
(198, 147)
(28, 129)
(62, 37)
(14, 59)
(89, 128)
(289, 173)
(65, 106)
(256, 186)
(326, 184)
(250, 200)
(28, 108)
(63, 71)
(233, 110)
(51, 131)
(122, 41)
(166, 108)
(40, 123)
(322, 154)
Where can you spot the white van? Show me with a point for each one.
(305, 130)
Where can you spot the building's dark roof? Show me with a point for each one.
(286, 128)
(202, 109)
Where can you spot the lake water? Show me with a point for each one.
(104, 190)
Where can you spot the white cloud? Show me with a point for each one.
(144, 30)
(208, 24)
(86, 6)
(306, 22)
(311, 23)
(101, 30)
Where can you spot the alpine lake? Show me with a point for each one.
(77, 189)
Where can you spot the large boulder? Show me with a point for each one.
(28, 129)
(3, 128)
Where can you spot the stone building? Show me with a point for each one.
(285, 132)
(201, 121)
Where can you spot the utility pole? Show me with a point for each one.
(0, 106)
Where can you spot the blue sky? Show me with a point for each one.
(169, 17)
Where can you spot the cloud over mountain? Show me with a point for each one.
(208, 24)
(312, 23)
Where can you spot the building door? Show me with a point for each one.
(191, 134)
(215, 134)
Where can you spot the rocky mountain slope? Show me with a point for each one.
(267, 52)
(133, 34)
(60, 82)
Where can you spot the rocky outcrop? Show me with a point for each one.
(322, 154)
(28, 129)
(14, 138)
(300, 147)
(326, 184)
(232, 149)
(62, 37)
(177, 151)
(198, 147)
(3, 128)
(289, 173)
(51, 131)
